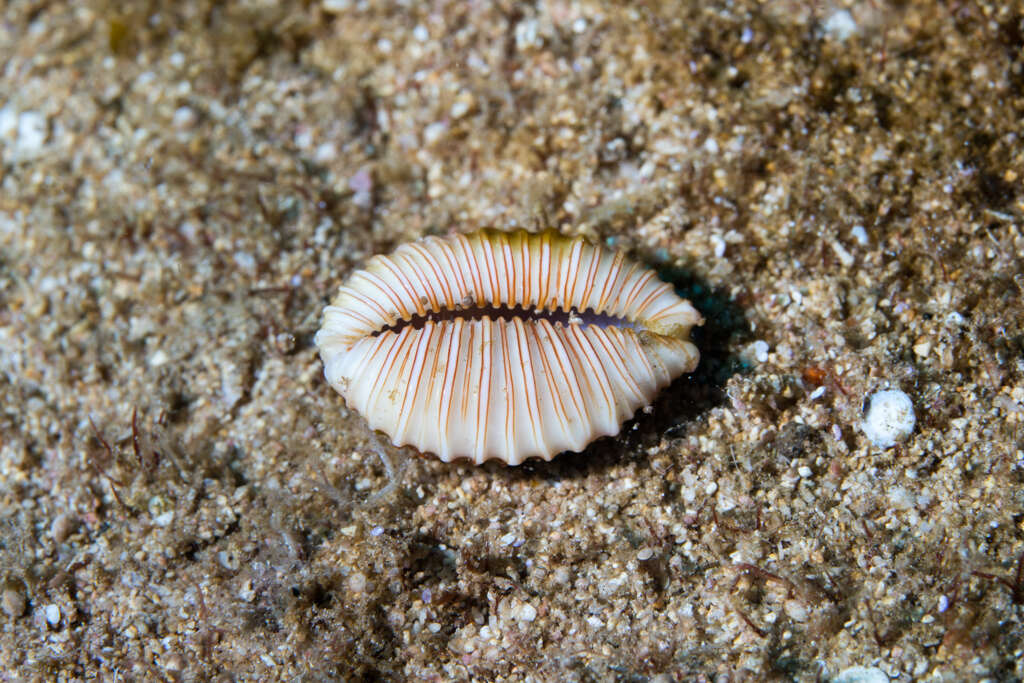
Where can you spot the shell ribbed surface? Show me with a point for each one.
(508, 387)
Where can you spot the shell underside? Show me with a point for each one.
(503, 386)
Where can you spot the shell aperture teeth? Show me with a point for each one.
(556, 317)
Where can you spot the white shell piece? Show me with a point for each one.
(890, 418)
(493, 384)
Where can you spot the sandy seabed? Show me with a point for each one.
(835, 185)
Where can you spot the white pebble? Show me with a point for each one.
(901, 498)
(303, 138)
(718, 245)
(325, 152)
(890, 418)
(460, 107)
(184, 117)
(357, 583)
(245, 261)
(188, 230)
(433, 132)
(8, 122)
(27, 131)
(861, 674)
(164, 519)
(804, 471)
(795, 610)
(526, 35)
(228, 560)
(760, 351)
(52, 615)
(845, 257)
(840, 25)
(527, 612)
(955, 319)
(860, 234)
(32, 130)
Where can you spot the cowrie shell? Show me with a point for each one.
(503, 345)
